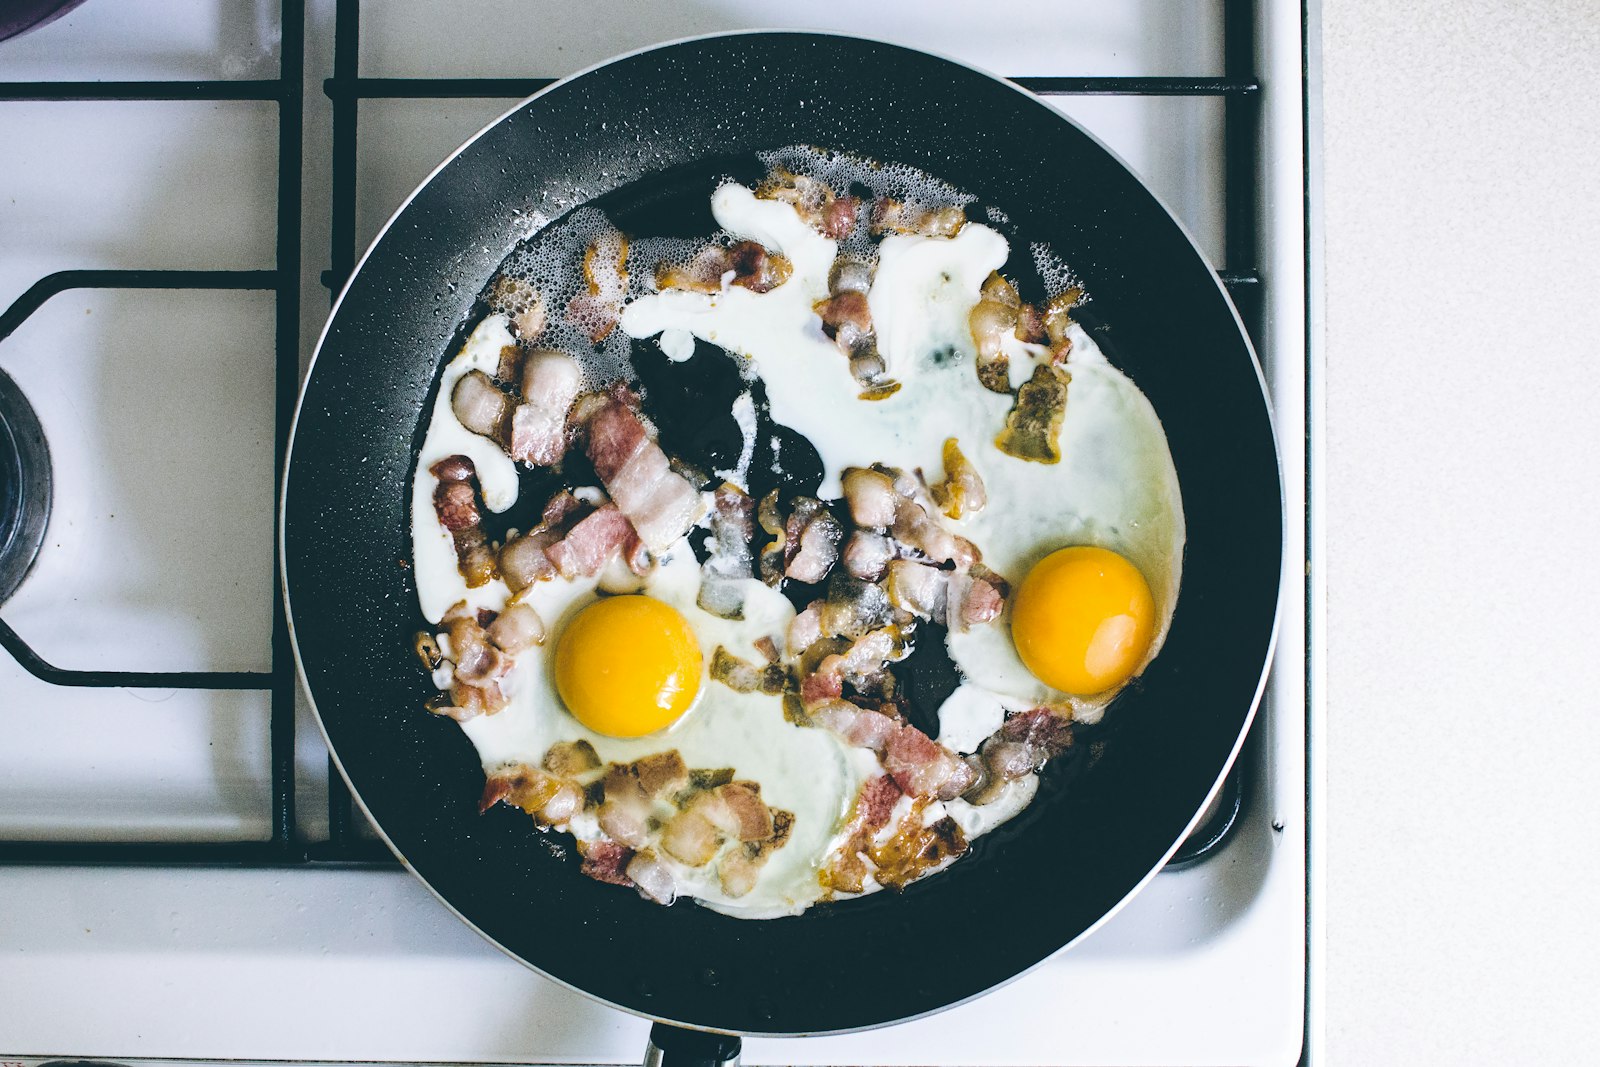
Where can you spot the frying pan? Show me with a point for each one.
(648, 127)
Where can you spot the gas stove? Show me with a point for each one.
(183, 187)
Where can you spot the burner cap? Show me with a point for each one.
(24, 486)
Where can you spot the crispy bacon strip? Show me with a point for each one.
(651, 877)
(478, 660)
(908, 217)
(457, 504)
(961, 493)
(661, 504)
(729, 565)
(597, 309)
(815, 201)
(537, 431)
(811, 544)
(552, 801)
(522, 559)
(1033, 426)
(606, 861)
(741, 866)
(874, 805)
(593, 540)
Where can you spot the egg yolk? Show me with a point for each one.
(1082, 620)
(628, 666)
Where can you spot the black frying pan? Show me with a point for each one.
(644, 129)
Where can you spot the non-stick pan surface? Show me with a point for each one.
(1096, 831)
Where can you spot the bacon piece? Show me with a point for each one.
(876, 801)
(847, 321)
(538, 427)
(892, 499)
(737, 810)
(820, 688)
(805, 544)
(743, 677)
(918, 588)
(595, 538)
(866, 655)
(645, 778)
(606, 861)
(729, 564)
(549, 799)
(977, 600)
(866, 555)
(813, 200)
(568, 759)
(480, 405)
(961, 493)
(522, 303)
(916, 849)
(469, 701)
(741, 867)
(477, 659)
(756, 269)
(661, 503)
(874, 804)
(1033, 426)
(922, 767)
(814, 534)
(427, 650)
(1057, 317)
(517, 629)
(702, 274)
(627, 790)
(605, 272)
(805, 630)
(871, 496)
(861, 727)
(915, 528)
(908, 217)
(456, 504)
(595, 315)
(663, 772)
(624, 823)
(691, 838)
(838, 219)
(652, 878)
(1042, 728)
(846, 318)
(522, 559)
(854, 608)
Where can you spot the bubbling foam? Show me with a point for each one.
(548, 264)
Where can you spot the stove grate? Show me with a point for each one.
(1238, 88)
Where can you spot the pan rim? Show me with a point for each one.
(1268, 652)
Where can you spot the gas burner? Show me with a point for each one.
(24, 486)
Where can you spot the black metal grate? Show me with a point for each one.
(1237, 87)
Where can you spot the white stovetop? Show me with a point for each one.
(1205, 966)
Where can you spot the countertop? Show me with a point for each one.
(1460, 146)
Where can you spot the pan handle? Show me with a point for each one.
(672, 1046)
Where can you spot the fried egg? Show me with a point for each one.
(1091, 546)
